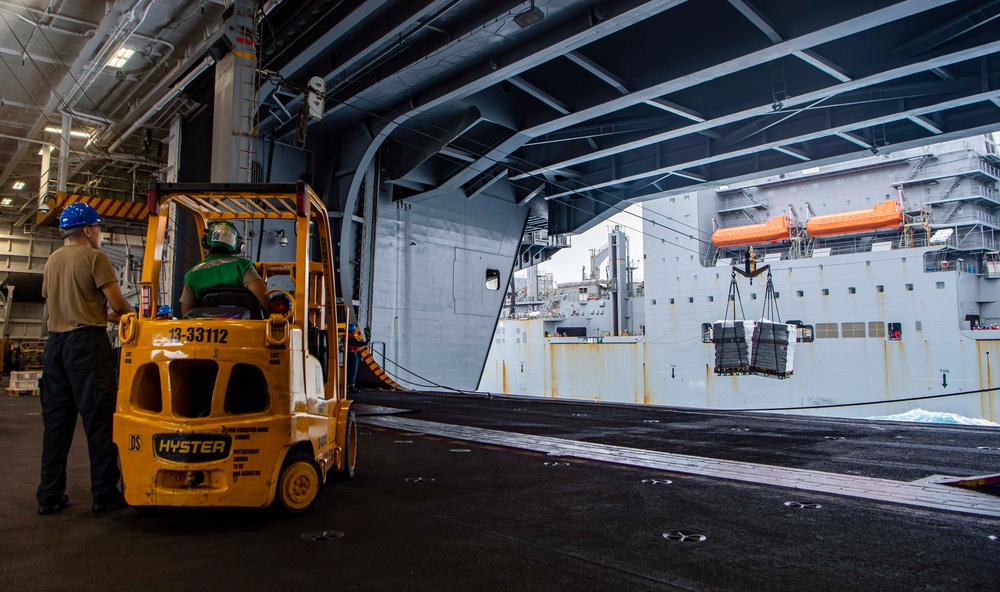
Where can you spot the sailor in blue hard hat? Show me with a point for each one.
(78, 371)
(77, 216)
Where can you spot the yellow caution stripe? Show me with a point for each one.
(377, 370)
(106, 208)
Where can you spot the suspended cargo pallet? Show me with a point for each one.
(775, 229)
(761, 348)
(885, 215)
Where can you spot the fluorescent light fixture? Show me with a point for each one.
(73, 133)
(529, 16)
(120, 57)
(6, 201)
(18, 185)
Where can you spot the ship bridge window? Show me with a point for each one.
(880, 289)
(876, 329)
(492, 279)
(852, 290)
(853, 330)
(895, 331)
(827, 331)
(909, 287)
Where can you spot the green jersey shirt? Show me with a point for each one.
(217, 271)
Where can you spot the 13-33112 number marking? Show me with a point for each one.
(199, 335)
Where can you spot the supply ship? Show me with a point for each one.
(886, 267)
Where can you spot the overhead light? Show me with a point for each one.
(529, 16)
(6, 201)
(73, 133)
(18, 185)
(120, 57)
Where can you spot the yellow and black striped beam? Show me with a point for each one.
(107, 208)
(377, 370)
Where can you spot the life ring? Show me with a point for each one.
(944, 265)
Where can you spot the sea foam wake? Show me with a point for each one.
(922, 416)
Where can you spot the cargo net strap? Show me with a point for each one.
(762, 348)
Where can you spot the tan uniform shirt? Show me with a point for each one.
(72, 284)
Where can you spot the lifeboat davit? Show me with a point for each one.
(886, 214)
(775, 229)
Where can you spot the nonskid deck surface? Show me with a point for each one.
(445, 512)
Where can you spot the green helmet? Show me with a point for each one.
(223, 235)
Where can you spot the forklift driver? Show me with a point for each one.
(222, 268)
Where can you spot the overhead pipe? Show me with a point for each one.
(64, 86)
(174, 91)
(20, 139)
(128, 24)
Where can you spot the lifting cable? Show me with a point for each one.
(768, 332)
(731, 300)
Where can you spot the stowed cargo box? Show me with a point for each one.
(24, 383)
(754, 347)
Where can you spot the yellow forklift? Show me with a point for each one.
(236, 405)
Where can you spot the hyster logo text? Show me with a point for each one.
(191, 448)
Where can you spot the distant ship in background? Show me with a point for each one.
(887, 266)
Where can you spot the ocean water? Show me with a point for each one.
(922, 416)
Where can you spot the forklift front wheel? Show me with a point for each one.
(298, 485)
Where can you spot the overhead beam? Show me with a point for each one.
(486, 183)
(539, 94)
(927, 125)
(792, 152)
(822, 64)
(766, 109)
(675, 109)
(758, 19)
(598, 71)
(853, 139)
(840, 131)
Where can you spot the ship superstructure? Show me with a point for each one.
(888, 265)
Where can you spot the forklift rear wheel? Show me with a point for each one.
(298, 485)
(350, 446)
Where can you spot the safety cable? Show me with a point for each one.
(863, 403)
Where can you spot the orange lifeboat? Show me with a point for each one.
(886, 214)
(775, 229)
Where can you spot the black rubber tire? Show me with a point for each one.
(350, 447)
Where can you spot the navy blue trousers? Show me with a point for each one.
(78, 376)
(352, 368)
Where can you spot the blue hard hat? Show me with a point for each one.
(164, 310)
(78, 214)
(352, 328)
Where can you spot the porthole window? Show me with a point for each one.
(492, 279)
